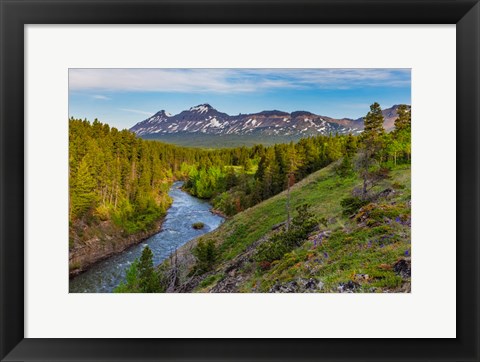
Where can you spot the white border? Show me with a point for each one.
(429, 311)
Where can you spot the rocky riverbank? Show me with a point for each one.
(91, 244)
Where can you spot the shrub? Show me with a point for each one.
(398, 186)
(131, 283)
(287, 240)
(351, 205)
(232, 202)
(74, 266)
(206, 254)
(134, 219)
(345, 168)
(225, 204)
(264, 265)
(102, 212)
(198, 225)
(374, 214)
(142, 277)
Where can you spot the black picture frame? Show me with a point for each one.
(15, 14)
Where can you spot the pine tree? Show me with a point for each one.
(371, 151)
(373, 122)
(293, 163)
(206, 255)
(402, 132)
(148, 281)
(82, 190)
(350, 145)
(262, 167)
(345, 168)
(130, 285)
(404, 119)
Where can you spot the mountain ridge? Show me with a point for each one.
(205, 122)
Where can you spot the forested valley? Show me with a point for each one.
(119, 193)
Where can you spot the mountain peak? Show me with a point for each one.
(273, 112)
(201, 108)
(162, 113)
(301, 113)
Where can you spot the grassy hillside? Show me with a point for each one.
(367, 251)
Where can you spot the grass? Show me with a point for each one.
(211, 279)
(318, 190)
(344, 257)
(361, 250)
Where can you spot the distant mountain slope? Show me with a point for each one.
(203, 125)
(389, 114)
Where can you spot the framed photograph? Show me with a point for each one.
(240, 180)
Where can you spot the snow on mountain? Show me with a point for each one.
(202, 108)
(204, 119)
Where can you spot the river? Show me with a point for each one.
(176, 230)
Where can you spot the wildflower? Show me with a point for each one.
(407, 253)
(325, 254)
(319, 239)
(398, 219)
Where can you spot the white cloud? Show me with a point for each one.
(232, 80)
(136, 111)
(103, 98)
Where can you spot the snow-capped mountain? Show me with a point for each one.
(204, 121)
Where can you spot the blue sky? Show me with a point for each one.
(123, 97)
